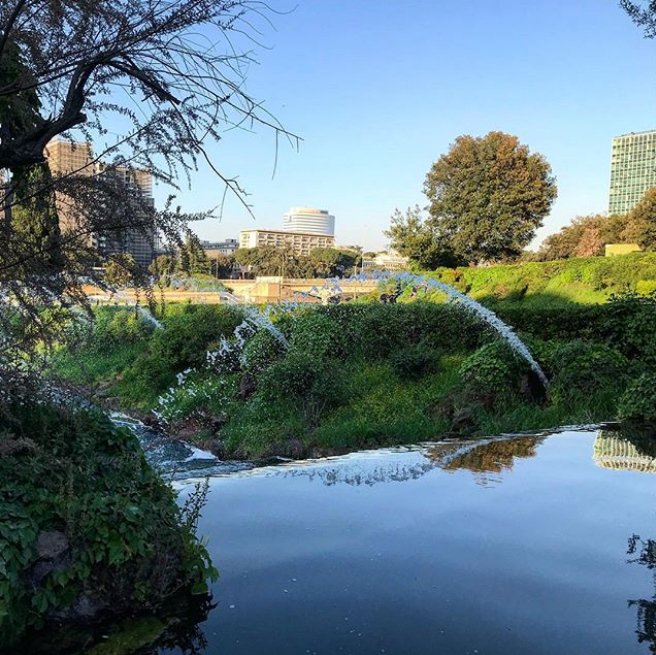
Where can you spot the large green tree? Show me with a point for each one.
(488, 195)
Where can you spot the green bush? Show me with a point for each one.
(637, 405)
(492, 373)
(313, 386)
(128, 543)
(182, 343)
(413, 362)
(629, 324)
(260, 351)
(583, 369)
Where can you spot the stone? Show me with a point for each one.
(247, 386)
(51, 544)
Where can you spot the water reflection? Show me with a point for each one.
(644, 552)
(482, 457)
(625, 451)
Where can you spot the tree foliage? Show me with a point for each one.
(585, 236)
(412, 235)
(321, 262)
(488, 195)
(641, 222)
(169, 74)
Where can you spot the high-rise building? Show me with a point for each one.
(632, 170)
(68, 157)
(309, 221)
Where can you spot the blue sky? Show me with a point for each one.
(379, 90)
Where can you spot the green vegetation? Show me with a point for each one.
(558, 284)
(363, 374)
(87, 524)
(487, 196)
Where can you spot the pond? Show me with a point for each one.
(515, 545)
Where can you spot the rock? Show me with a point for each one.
(294, 448)
(51, 545)
(247, 386)
(217, 448)
(217, 422)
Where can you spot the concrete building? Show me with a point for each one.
(307, 220)
(217, 248)
(632, 170)
(67, 157)
(301, 243)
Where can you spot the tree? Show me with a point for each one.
(172, 77)
(641, 222)
(413, 236)
(192, 259)
(331, 262)
(585, 236)
(120, 270)
(488, 195)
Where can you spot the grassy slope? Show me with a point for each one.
(372, 404)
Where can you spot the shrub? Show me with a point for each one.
(637, 405)
(127, 543)
(413, 362)
(629, 324)
(313, 385)
(582, 369)
(260, 351)
(492, 373)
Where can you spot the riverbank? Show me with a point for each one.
(89, 530)
(364, 375)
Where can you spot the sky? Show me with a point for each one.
(379, 90)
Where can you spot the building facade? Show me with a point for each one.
(307, 220)
(386, 261)
(632, 170)
(301, 243)
(217, 248)
(68, 157)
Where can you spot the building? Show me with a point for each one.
(632, 170)
(307, 220)
(224, 248)
(386, 261)
(613, 249)
(67, 157)
(301, 243)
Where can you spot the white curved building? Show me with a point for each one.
(309, 221)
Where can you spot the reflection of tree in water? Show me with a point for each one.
(481, 457)
(489, 456)
(401, 467)
(646, 555)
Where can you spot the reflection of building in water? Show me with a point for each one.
(485, 456)
(621, 452)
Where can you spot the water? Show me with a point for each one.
(502, 547)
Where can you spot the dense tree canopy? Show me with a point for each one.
(488, 195)
(321, 262)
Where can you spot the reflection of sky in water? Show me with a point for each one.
(504, 546)
(403, 551)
